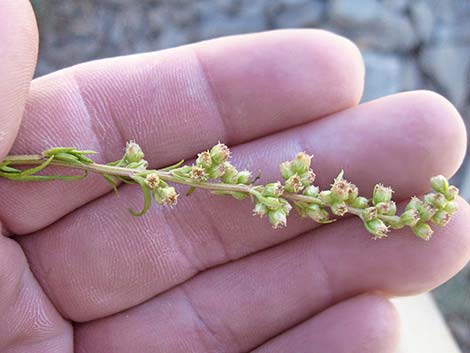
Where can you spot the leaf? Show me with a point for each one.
(5, 168)
(147, 198)
(37, 169)
(18, 177)
(82, 158)
(66, 157)
(171, 167)
(340, 176)
(56, 150)
(190, 190)
(85, 152)
(118, 163)
(257, 177)
(111, 180)
(125, 180)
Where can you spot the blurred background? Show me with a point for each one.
(406, 44)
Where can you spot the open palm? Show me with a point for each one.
(79, 274)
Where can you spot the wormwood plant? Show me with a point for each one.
(213, 171)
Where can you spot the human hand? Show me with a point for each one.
(206, 277)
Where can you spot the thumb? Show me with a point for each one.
(18, 54)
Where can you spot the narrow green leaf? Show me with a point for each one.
(5, 168)
(125, 180)
(18, 177)
(66, 157)
(56, 150)
(190, 190)
(147, 198)
(37, 169)
(84, 152)
(118, 163)
(112, 181)
(171, 167)
(82, 158)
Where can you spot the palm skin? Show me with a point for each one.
(79, 274)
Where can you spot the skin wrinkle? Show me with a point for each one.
(228, 126)
(232, 346)
(99, 138)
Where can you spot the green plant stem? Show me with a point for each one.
(37, 159)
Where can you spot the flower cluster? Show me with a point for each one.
(212, 170)
(214, 164)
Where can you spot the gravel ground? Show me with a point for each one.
(406, 45)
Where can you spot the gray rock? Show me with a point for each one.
(396, 5)
(450, 11)
(172, 36)
(372, 25)
(296, 13)
(216, 24)
(423, 19)
(457, 33)
(382, 75)
(411, 77)
(449, 66)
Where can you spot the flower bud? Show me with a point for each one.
(381, 194)
(166, 196)
(339, 208)
(286, 207)
(426, 211)
(326, 197)
(422, 230)
(140, 165)
(440, 184)
(198, 174)
(220, 153)
(452, 193)
(277, 218)
(369, 214)
(316, 213)
(204, 160)
(360, 202)
(311, 191)
(301, 163)
(152, 180)
(230, 175)
(451, 207)
(414, 204)
(133, 152)
(340, 190)
(260, 210)
(394, 222)
(409, 218)
(244, 177)
(308, 178)
(353, 192)
(216, 171)
(377, 227)
(441, 218)
(294, 184)
(387, 208)
(273, 189)
(272, 203)
(437, 200)
(286, 170)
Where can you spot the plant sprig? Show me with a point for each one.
(212, 170)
